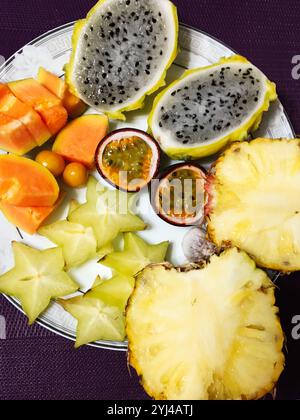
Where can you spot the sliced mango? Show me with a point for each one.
(24, 182)
(78, 141)
(43, 101)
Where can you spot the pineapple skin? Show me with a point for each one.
(214, 208)
(267, 288)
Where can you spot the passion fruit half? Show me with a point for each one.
(128, 159)
(179, 197)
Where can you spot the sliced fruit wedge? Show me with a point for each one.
(4, 90)
(137, 254)
(179, 198)
(77, 242)
(108, 213)
(94, 190)
(52, 82)
(14, 108)
(96, 320)
(43, 101)
(114, 292)
(79, 140)
(38, 277)
(74, 106)
(24, 182)
(29, 219)
(74, 205)
(121, 53)
(207, 332)
(128, 159)
(209, 107)
(14, 136)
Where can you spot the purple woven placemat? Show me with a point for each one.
(36, 364)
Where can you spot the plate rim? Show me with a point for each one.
(104, 345)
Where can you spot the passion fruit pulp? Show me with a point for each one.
(128, 159)
(179, 198)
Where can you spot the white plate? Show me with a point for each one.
(52, 51)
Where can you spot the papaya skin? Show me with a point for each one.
(24, 182)
(78, 141)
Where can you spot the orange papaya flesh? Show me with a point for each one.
(14, 136)
(52, 82)
(26, 183)
(29, 219)
(78, 141)
(43, 101)
(55, 117)
(74, 106)
(14, 108)
(4, 90)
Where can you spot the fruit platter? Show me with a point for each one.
(149, 195)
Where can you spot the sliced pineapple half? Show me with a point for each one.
(208, 332)
(255, 202)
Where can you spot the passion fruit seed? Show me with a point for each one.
(128, 159)
(185, 204)
(179, 197)
(131, 155)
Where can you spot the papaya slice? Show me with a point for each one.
(43, 101)
(74, 106)
(24, 182)
(14, 136)
(52, 82)
(55, 118)
(78, 141)
(3, 90)
(14, 108)
(29, 219)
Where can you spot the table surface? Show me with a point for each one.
(36, 364)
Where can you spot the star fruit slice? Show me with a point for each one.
(38, 277)
(137, 254)
(96, 320)
(78, 242)
(114, 292)
(109, 213)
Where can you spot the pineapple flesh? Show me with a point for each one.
(255, 202)
(206, 332)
